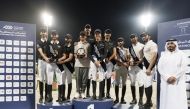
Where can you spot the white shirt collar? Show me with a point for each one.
(43, 40)
(148, 42)
(136, 44)
(56, 43)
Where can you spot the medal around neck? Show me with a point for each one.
(81, 53)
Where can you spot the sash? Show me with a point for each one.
(68, 65)
(54, 56)
(98, 56)
(146, 63)
(134, 56)
(122, 57)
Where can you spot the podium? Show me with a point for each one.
(125, 106)
(95, 104)
(54, 105)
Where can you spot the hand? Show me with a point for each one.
(148, 71)
(97, 63)
(125, 64)
(171, 80)
(85, 56)
(75, 43)
(137, 63)
(47, 60)
(107, 60)
(60, 62)
(131, 63)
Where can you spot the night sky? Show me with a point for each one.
(70, 16)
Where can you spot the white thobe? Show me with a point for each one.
(173, 96)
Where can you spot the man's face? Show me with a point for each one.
(82, 37)
(107, 35)
(97, 36)
(134, 39)
(87, 29)
(120, 42)
(43, 33)
(171, 46)
(54, 36)
(68, 40)
(145, 38)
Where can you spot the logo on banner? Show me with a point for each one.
(8, 98)
(8, 91)
(2, 63)
(23, 98)
(30, 57)
(30, 70)
(22, 56)
(8, 63)
(23, 84)
(16, 49)
(2, 91)
(16, 77)
(23, 77)
(30, 84)
(2, 42)
(15, 98)
(8, 56)
(2, 56)
(2, 84)
(23, 50)
(16, 56)
(15, 91)
(30, 64)
(15, 84)
(8, 27)
(23, 70)
(16, 42)
(2, 98)
(9, 42)
(2, 49)
(30, 50)
(8, 84)
(8, 70)
(30, 77)
(16, 70)
(23, 91)
(8, 77)
(23, 43)
(30, 43)
(2, 77)
(16, 63)
(2, 70)
(23, 63)
(30, 91)
(8, 49)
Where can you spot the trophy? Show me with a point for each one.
(81, 53)
(53, 57)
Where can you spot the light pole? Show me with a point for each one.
(47, 21)
(145, 20)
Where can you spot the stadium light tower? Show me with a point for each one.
(145, 20)
(47, 21)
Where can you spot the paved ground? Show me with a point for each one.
(128, 96)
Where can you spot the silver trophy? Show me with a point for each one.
(81, 53)
(53, 57)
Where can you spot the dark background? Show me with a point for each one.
(70, 16)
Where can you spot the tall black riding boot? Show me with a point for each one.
(93, 90)
(123, 95)
(141, 92)
(41, 87)
(88, 88)
(134, 101)
(101, 85)
(60, 90)
(116, 94)
(108, 87)
(69, 92)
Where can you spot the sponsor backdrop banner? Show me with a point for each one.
(17, 65)
(180, 30)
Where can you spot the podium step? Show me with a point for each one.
(125, 106)
(96, 104)
(54, 105)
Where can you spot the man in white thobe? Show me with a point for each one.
(172, 67)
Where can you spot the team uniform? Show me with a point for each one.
(110, 46)
(91, 41)
(41, 67)
(136, 52)
(149, 48)
(68, 70)
(54, 49)
(99, 53)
